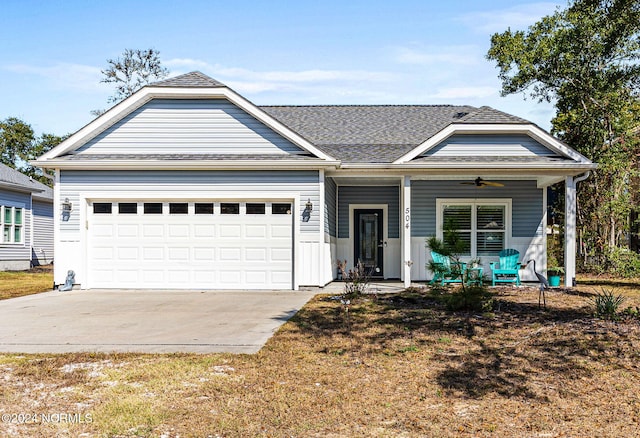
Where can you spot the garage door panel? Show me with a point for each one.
(281, 231)
(178, 254)
(256, 255)
(102, 253)
(153, 230)
(256, 231)
(178, 231)
(155, 276)
(280, 278)
(102, 230)
(204, 277)
(204, 231)
(127, 253)
(127, 230)
(230, 278)
(204, 254)
(256, 278)
(280, 254)
(234, 231)
(207, 251)
(230, 254)
(127, 276)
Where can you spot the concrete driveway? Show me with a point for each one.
(145, 321)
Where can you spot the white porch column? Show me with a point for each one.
(406, 231)
(569, 231)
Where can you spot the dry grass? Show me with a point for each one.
(400, 365)
(18, 283)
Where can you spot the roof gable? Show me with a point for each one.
(508, 137)
(190, 87)
(189, 126)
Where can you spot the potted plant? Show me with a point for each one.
(554, 273)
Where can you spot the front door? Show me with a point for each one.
(369, 240)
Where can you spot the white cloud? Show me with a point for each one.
(262, 78)
(468, 93)
(516, 17)
(456, 55)
(64, 75)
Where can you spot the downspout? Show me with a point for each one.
(582, 177)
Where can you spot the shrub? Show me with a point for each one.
(606, 304)
(356, 281)
(475, 298)
(624, 262)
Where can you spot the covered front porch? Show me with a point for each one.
(384, 220)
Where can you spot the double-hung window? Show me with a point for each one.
(12, 223)
(483, 224)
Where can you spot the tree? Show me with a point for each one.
(16, 139)
(585, 60)
(19, 145)
(136, 69)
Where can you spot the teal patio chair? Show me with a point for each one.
(444, 273)
(507, 270)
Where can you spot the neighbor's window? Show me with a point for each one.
(481, 224)
(11, 220)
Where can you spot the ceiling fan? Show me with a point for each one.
(479, 182)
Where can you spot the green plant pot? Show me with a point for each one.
(554, 280)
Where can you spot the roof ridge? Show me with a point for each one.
(193, 79)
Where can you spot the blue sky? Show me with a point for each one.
(271, 52)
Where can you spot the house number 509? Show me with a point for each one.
(407, 218)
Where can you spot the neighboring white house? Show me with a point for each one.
(26, 220)
(186, 184)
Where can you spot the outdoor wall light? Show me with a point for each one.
(66, 208)
(308, 208)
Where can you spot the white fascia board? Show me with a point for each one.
(146, 94)
(531, 130)
(183, 164)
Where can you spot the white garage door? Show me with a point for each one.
(190, 245)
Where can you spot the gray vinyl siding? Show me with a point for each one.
(389, 195)
(330, 190)
(17, 251)
(489, 145)
(527, 207)
(205, 183)
(42, 233)
(168, 126)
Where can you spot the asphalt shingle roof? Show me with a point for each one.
(363, 133)
(378, 133)
(17, 179)
(195, 79)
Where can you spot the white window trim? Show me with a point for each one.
(13, 206)
(505, 202)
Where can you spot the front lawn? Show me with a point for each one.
(393, 365)
(18, 283)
